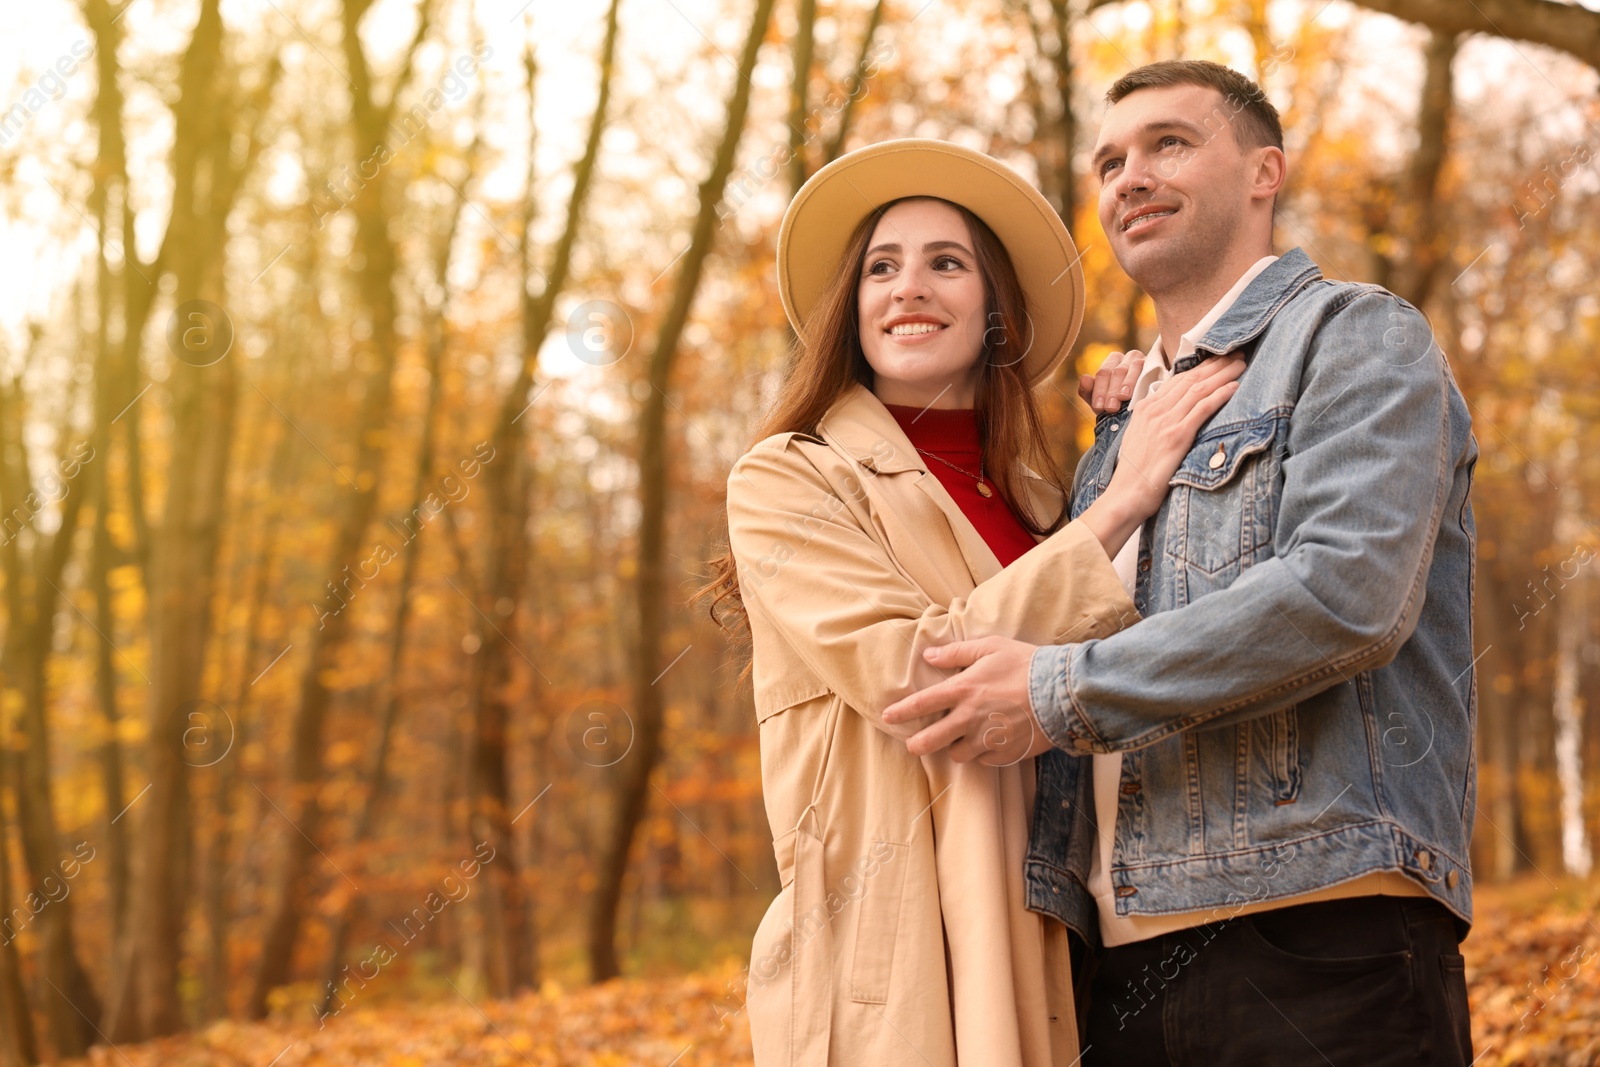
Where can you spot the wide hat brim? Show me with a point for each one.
(826, 210)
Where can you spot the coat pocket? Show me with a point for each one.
(789, 997)
(878, 922)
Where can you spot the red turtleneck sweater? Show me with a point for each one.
(952, 435)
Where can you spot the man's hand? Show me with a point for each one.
(1112, 385)
(990, 717)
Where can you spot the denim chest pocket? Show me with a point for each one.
(1224, 495)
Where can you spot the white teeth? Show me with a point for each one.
(1151, 215)
(906, 329)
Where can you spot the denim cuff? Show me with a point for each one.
(1050, 693)
(1047, 670)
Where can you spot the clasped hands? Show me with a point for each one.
(988, 714)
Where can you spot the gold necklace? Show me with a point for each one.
(983, 490)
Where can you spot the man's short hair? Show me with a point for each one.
(1255, 122)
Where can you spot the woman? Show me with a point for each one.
(892, 502)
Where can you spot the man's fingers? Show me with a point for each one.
(957, 654)
(940, 735)
(924, 702)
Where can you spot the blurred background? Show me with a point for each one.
(369, 376)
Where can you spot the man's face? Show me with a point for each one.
(1174, 183)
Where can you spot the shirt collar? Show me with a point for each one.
(1188, 341)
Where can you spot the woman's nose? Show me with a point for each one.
(912, 283)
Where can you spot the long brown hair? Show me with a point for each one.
(820, 373)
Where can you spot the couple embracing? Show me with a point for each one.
(1172, 764)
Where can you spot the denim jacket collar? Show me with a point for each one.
(1253, 311)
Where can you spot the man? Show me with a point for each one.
(1267, 842)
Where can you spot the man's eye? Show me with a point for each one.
(1166, 141)
(1106, 167)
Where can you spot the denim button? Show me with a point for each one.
(1425, 860)
(1218, 458)
(1126, 890)
(1451, 879)
(1115, 426)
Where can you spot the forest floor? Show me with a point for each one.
(1533, 969)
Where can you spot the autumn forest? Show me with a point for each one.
(370, 373)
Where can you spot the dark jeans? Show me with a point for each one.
(1353, 983)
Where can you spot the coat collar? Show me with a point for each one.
(859, 426)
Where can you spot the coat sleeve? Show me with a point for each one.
(809, 568)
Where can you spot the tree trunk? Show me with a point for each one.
(799, 95)
(33, 590)
(144, 998)
(1061, 60)
(377, 782)
(634, 785)
(18, 1047)
(376, 250)
(1416, 217)
(855, 88)
(1571, 624)
(504, 918)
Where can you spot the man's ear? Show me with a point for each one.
(1270, 173)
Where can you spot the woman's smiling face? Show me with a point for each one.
(921, 302)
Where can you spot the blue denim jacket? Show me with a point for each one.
(1298, 705)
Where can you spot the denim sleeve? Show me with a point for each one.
(1365, 481)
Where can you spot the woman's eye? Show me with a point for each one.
(879, 267)
(947, 263)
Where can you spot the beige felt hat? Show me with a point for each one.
(827, 208)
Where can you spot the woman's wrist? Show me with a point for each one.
(1113, 518)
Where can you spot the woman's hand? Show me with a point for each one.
(1158, 435)
(1108, 388)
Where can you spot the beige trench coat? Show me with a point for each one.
(900, 934)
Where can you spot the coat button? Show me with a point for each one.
(1126, 890)
(1115, 426)
(1425, 860)
(1218, 458)
(1451, 879)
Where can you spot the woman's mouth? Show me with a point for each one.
(914, 329)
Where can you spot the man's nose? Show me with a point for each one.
(1136, 180)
